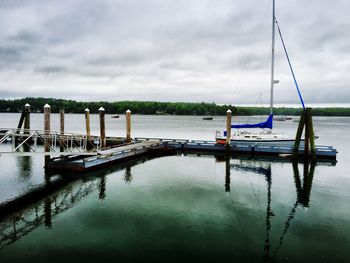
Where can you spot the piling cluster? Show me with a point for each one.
(25, 119)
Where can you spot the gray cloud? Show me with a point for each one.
(202, 50)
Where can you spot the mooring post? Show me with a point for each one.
(47, 111)
(26, 118)
(61, 129)
(309, 141)
(128, 125)
(87, 125)
(102, 127)
(307, 133)
(311, 132)
(19, 127)
(228, 127)
(299, 133)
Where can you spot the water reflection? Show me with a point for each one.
(25, 167)
(102, 188)
(22, 222)
(44, 211)
(128, 175)
(227, 174)
(303, 190)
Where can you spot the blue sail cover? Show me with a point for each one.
(265, 124)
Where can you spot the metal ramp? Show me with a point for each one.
(55, 142)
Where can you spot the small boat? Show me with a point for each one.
(280, 118)
(115, 116)
(207, 118)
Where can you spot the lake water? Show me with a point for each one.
(181, 207)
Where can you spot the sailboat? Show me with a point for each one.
(265, 134)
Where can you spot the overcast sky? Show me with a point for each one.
(173, 50)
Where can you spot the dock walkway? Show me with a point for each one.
(104, 157)
(142, 146)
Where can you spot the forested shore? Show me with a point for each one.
(153, 107)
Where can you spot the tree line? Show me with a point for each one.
(153, 107)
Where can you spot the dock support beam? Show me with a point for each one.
(228, 128)
(128, 125)
(47, 111)
(61, 130)
(309, 143)
(102, 128)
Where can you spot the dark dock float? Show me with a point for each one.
(144, 146)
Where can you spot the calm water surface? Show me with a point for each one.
(182, 207)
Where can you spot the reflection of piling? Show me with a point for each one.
(228, 129)
(102, 127)
(102, 193)
(61, 130)
(128, 125)
(227, 174)
(47, 111)
(47, 210)
(128, 175)
(304, 187)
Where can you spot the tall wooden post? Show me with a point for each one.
(228, 127)
(309, 142)
(310, 128)
(87, 123)
(61, 130)
(102, 127)
(27, 118)
(47, 111)
(128, 125)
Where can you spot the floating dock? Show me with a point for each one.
(104, 157)
(144, 146)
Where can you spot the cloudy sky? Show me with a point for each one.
(167, 50)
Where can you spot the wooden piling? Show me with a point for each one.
(87, 123)
(228, 127)
(311, 132)
(61, 130)
(306, 135)
(102, 127)
(26, 118)
(47, 111)
(128, 125)
(309, 142)
(299, 132)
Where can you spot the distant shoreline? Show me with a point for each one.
(160, 108)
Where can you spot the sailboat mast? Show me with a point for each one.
(272, 55)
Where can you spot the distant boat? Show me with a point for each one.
(115, 116)
(282, 118)
(208, 118)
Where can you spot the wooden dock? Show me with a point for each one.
(104, 157)
(143, 146)
(250, 148)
